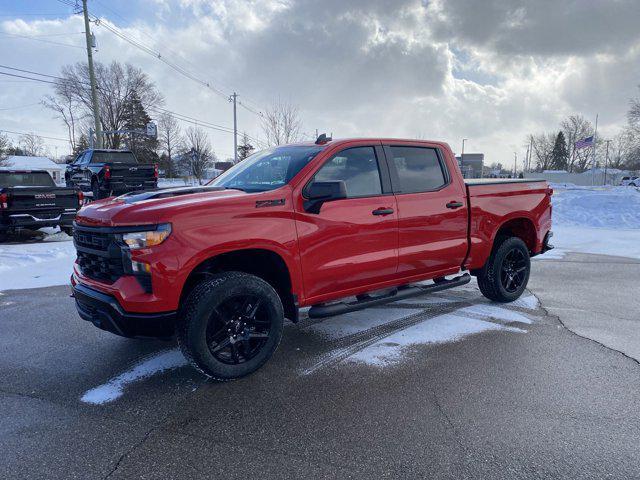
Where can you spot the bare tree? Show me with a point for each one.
(5, 144)
(169, 138)
(634, 115)
(67, 108)
(198, 155)
(32, 145)
(576, 127)
(117, 85)
(621, 148)
(281, 124)
(543, 144)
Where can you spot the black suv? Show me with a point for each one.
(110, 172)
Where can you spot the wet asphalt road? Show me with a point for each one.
(544, 403)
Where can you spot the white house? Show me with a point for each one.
(37, 163)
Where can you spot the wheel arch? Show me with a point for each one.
(264, 263)
(521, 227)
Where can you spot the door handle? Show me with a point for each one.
(454, 204)
(382, 211)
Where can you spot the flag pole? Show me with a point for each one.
(595, 140)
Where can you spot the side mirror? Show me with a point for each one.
(318, 193)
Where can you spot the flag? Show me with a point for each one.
(585, 142)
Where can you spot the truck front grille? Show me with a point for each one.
(99, 255)
(100, 268)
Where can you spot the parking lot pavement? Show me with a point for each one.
(595, 296)
(446, 386)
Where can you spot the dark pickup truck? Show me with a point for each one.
(29, 199)
(110, 172)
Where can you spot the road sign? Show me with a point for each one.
(152, 130)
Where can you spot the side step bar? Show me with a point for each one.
(321, 311)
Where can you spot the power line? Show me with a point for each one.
(163, 58)
(19, 107)
(160, 57)
(31, 133)
(203, 123)
(28, 78)
(22, 70)
(41, 40)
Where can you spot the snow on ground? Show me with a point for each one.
(598, 220)
(155, 364)
(355, 322)
(34, 265)
(447, 328)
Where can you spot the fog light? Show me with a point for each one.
(140, 267)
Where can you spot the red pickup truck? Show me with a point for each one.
(336, 225)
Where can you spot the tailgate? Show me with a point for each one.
(41, 198)
(120, 172)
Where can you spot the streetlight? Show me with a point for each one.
(462, 157)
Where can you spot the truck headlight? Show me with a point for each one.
(147, 238)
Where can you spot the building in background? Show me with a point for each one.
(54, 169)
(472, 165)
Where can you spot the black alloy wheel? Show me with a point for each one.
(513, 271)
(238, 329)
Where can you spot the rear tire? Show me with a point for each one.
(3, 237)
(98, 194)
(505, 275)
(230, 325)
(67, 230)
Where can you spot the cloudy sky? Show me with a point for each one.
(490, 71)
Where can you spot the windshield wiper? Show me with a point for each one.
(235, 188)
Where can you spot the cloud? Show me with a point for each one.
(489, 71)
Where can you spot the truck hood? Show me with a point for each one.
(142, 208)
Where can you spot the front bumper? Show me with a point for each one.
(105, 312)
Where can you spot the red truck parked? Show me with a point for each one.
(335, 225)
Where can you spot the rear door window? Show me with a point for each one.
(358, 168)
(26, 179)
(114, 157)
(419, 169)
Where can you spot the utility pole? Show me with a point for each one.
(606, 162)
(233, 99)
(92, 76)
(595, 141)
(515, 167)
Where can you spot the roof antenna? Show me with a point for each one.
(322, 139)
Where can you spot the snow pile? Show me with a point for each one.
(114, 388)
(599, 220)
(593, 207)
(36, 265)
(447, 328)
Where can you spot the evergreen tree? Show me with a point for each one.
(136, 119)
(560, 154)
(81, 145)
(245, 148)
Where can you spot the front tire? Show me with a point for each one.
(230, 325)
(505, 275)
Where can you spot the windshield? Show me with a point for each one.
(113, 157)
(267, 169)
(26, 179)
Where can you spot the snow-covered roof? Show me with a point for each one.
(612, 171)
(554, 171)
(31, 163)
